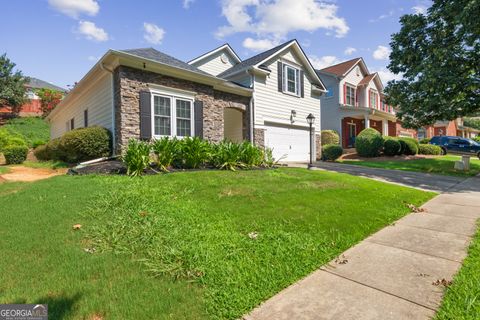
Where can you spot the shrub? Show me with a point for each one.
(227, 155)
(8, 138)
(136, 157)
(41, 153)
(368, 143)
(268, 160)
(411, 146)
(54, 151)
(251, 156)
(477, 138)
(424, 141)
(165, 150)
(392, 147)
(15, 154)
(193, 153)
(332, 152)
(85, 144)
(329, 137)
(33, 130)
(403, 147)
(430, 149)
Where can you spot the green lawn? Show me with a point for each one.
(462, 299)
(185, 245)
(35, 130)
(4, 169)
(439, 165)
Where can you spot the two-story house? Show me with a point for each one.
(448, 128)
(146, 94)
(354, 101)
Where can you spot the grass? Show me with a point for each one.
(35, 130)
(462, 299)
(439, 165)
(4, 169)
(184, 245)
(45, 164)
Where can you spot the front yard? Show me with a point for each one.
(439, 165)
(181, 246)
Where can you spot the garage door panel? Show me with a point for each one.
(289, 143)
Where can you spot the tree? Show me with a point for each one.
(438, 56)
(12, 85)
(49, 99)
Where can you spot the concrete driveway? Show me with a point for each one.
(424, 181)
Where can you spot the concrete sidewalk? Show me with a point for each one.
(391, 274)
(419, 180)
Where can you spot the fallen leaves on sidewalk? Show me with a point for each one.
(77, 226)
(341, 260)
(443, 282)
(415, 209)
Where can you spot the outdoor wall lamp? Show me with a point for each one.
(293, 114)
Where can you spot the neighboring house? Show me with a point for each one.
(33, 106)
(448, 128)
(144, 93)
(354, 101)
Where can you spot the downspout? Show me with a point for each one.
(252, 114)
(114, 144)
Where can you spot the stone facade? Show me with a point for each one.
(259, 137)
(318, 147)
(128, 82)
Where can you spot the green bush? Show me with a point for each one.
(33, 130)
(41, 153)
(8, 138)
(227, 155)
(368, 143)
(424, 141)
(329, 137)
(403, 147)
(429, 149)
(477, 138)
(136, 157)
(392, 147)
(15, 154)
(54, 150)
(332, 152)
(193, 153)
(165, 150)
(411, 146)
(84, 144)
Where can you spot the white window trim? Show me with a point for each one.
(351, 86)
(375, 106)
(285, 82)
(173, 95)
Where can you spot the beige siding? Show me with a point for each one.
(98, 99)
(274, 106)
(214, 65)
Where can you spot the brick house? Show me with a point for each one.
(448, 128)
(147, 94)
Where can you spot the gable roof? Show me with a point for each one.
(225, 46)
(252, 61)
(40, 84)
(365, 81)
(152, 54)
(341, 69)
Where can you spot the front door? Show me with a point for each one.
(352, 134)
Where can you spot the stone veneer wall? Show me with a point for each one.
(318, 146)
(259, 137)
(128, 82)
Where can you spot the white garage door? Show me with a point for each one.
(288, 143)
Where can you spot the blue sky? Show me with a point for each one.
(60, 40)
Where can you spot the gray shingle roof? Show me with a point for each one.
(40, 84)
(152, 54)
(245, 64)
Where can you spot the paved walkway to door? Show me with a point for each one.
(420, 180)
(391, 274)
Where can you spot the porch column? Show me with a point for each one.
(367, 122)
(385, 127)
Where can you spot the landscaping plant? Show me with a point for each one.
(411, 146)
(368, 143)
(41, 153)
(165, 150)
(193, 153)
(84, 144)
(136, 157)
(429, 149)
(15, 154)
(227, 155)
(251, 156)
(329, 137)
(332, 152)
(392, 147)
(424, 141)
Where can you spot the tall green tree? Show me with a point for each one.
(438, 55)
(12, 85)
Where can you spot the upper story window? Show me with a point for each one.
(350, 92)
(291, 80)
(172, 116)
(373, 99)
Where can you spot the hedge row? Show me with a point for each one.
(13, 146)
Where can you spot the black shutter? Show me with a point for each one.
(145, 115)
(302, 90)
(198, 115)
(280, 76)
(85, 118)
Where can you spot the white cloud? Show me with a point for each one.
(259, 44)
(420, 9)
(383, 16)
(381, 53)
(274, 20)
(93, 58)
(349, 51)
(91, 31)
(187, 3)
(323, 62)
(153, 33)
(386, 75)
(74, 8)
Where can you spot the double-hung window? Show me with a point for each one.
(373, 99)
(291, 80)
(350, 95)
(172, 116)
